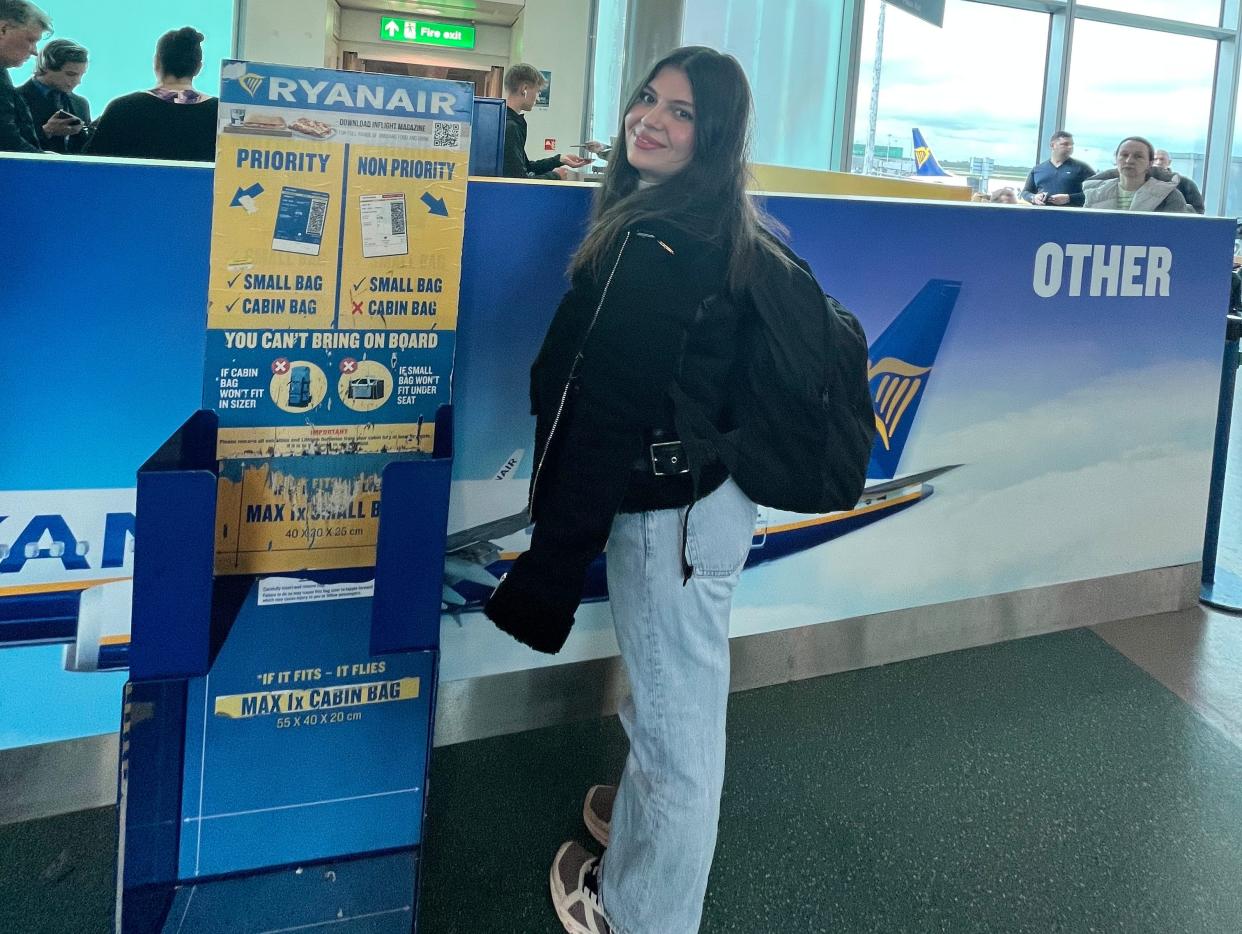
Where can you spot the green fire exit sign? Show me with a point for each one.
(425, 32)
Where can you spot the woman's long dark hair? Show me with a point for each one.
(708, 197)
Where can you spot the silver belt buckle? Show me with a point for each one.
(668, 459)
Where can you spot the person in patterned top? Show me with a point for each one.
(172, 120)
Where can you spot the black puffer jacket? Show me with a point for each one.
(770, 387)
(653, 324)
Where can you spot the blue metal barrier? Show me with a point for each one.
(261, 733)
(1221, 587)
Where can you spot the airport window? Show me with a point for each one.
(973, 87)
(1233, 195)
(121, 47)
(782, 47)
(1126, 81)
(1202, 12)
(608, 57)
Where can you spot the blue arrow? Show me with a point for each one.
(253, 191)
(435, 205)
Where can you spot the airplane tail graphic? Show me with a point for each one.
(924, 160)
(899, 366)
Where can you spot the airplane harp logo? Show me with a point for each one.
(921, 155)
(899, 384)
(250, 83)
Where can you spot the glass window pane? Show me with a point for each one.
(1159, 88)
(121, 52)
(788, 51)
(1203, 12)
(974, 87)
(608, 51)
(1233, 195)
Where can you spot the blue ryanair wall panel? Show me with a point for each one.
(300, 744)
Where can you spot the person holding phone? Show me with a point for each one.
(62, 118)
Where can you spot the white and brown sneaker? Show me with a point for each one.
(574, 881)
(597, 811)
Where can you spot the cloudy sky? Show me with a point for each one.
(975, 86)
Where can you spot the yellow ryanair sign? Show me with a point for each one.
(309, 700)
(337, 223)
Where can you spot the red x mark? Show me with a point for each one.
(357, 307)
(348, 365)
(280, 365)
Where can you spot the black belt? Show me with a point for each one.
(668, 459)
(663, 459)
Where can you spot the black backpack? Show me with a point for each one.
(803, 411)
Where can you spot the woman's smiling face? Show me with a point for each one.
(659, 128)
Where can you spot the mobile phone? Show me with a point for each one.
(65, 115)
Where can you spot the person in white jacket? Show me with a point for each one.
(1134, 189)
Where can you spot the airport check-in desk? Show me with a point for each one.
(1053, 372)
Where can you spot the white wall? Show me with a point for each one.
(553, 35)
(287, 32)
(332, 51)
(360, 33)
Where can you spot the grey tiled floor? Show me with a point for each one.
(1195, 653)
(1050, 784)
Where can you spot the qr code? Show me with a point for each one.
(448, 135)
(318, 214)
(398, 217)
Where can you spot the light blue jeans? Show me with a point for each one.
(675, 644)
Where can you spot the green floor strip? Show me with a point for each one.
(1045, 785)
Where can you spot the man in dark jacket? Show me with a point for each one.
(522, 85)
(1190, 191)
(22, 25)
(60, 67)
(1058, 181)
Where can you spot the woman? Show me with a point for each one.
(1131, 187)
(169, 121)
(658, 325)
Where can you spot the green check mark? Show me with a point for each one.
(229, 306)
(358, 284)
(234, 279)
